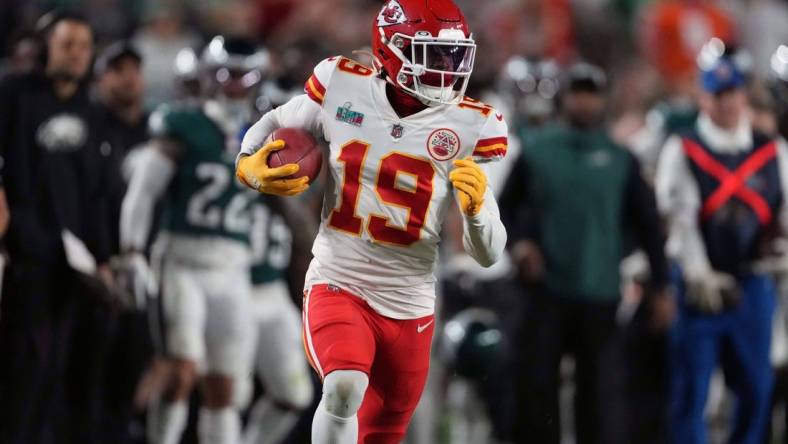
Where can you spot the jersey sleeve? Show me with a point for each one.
(493, 139)
(315, 87)
(302, 111)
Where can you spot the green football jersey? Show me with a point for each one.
(204, 198)
(272, 243)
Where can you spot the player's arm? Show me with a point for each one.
(484, 236)
(251, 165)
(156, 165)
(299, 112)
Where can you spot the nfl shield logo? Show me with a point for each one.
(396, 131)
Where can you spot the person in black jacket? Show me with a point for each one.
(570, 201)
(119, 97)
(54, 176)
(119, 89)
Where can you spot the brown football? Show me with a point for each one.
(301, 148)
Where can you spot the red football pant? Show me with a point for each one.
(341, 332)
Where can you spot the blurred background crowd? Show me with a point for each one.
(582, 334)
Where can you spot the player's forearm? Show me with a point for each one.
(147, 185)
(298, 112)
(484, 236)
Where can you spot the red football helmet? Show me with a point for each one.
(425, 48)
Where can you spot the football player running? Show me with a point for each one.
(276, 328)
(203, 248)
(405, 144)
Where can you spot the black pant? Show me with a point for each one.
(586, 330)
(779, 397)
(129, 353)
(648, 388)
(53, 345)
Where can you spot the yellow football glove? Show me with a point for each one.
(254, 172)
(471, 183)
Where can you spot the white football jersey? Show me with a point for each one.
(389, 189)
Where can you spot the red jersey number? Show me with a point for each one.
(416, 198)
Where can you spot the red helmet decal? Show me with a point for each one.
(391, 14)
(405, 29)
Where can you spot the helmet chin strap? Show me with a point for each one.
(402, 90)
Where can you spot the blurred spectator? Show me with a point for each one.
(678, 110)
(158, 41)
(763, 29)
(54, 177)
(532, 27)
(778, 84)
(570, 198)
(24, 56)
(120, 89)
(673, 32)
(763, 109)
(722, 186)
(632, 94)
(119, 96)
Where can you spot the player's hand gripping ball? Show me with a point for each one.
(285, 166)
(471, 183)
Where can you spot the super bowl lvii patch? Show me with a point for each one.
(345, 114)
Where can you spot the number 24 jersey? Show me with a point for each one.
(388, 190)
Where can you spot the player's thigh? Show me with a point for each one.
(228, 322)
(281, 367)
(397, 380)
(336, 333)
(183, 309)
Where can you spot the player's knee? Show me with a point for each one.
(182, 377)
(343, 391)
(217, 391)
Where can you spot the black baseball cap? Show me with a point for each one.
(113, 53)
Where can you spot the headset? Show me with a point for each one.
(47, 22)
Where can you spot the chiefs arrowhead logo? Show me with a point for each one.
(391, 14)
(443, 144)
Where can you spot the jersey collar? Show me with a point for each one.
(386, 112)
